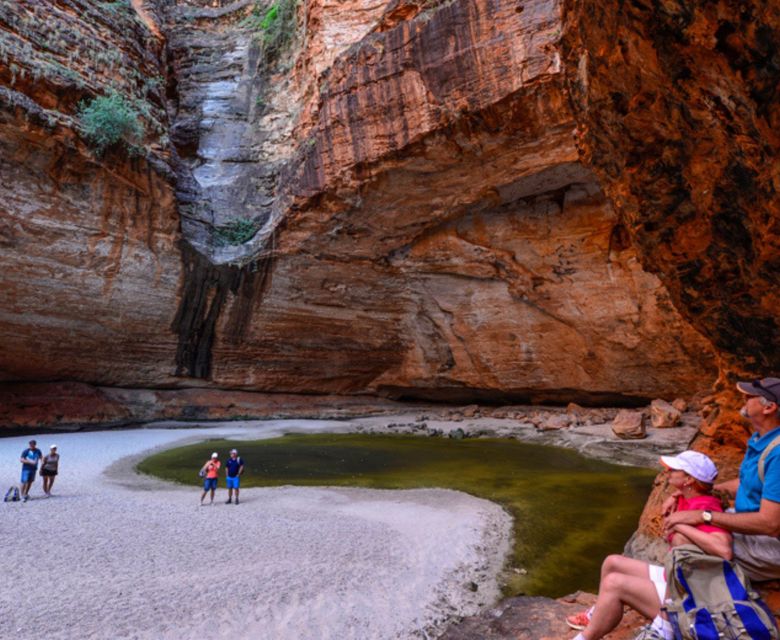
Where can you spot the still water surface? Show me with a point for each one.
(569, 511)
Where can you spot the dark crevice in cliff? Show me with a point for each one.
(204, 293)
(501, 397)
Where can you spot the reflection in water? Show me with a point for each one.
(569, 511)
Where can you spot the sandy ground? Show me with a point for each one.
(117, 555)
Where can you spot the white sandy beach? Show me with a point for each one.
(117, 555)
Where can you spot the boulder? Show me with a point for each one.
(629, 425)
(554, 422)
(680, 404)
(663, 415)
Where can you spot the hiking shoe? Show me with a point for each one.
(578, 621)
(648, 633)
(236, 500)
(25, 499)
(228, 502)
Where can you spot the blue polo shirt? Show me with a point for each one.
(233, 465)
(751, 491)
(31, 456)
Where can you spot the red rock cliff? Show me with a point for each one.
(476, 199)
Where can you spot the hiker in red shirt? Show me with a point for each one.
(211, 472)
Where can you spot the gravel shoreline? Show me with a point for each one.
(114, 554)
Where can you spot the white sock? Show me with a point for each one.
(663, 626)
(579, 636)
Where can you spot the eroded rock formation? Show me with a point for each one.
(446, 201)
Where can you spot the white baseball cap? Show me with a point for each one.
(695, 464)
(215, 455)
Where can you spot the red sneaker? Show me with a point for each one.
(578, 621)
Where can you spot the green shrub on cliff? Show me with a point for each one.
(236, 232)
(276, 25)
(109, 121)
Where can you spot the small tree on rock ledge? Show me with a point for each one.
(110, 120)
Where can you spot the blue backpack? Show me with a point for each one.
(709, 598)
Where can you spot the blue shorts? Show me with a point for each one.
(28, 475)
(234, 482)
(210, 483)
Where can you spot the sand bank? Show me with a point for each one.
(117, 555)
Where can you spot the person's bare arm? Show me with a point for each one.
(714, 542)
(730, 487)
(765, 521)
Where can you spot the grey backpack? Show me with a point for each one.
(709, 598)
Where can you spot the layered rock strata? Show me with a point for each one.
(424, 225)
(88, 244)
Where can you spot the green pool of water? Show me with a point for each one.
(569, 511)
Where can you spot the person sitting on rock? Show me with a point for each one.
(755, 520)
(641, 585)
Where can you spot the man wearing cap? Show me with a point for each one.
(755, 523)
(234, 467)
(29, 460)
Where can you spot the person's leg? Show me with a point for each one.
(237, 487)
(613, 564)
(51, 482)
(616, 590)
(625, 565)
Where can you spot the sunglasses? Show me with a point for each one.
(757, 384)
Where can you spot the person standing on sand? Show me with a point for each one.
(211, 472)
(29, 460)
(49, 467)
(234, 467)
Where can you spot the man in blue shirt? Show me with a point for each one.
(29, 460)
(755, 524)
(234, 467)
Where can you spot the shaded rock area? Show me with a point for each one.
(678, 109)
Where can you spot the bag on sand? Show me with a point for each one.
(709, 598)
(12, 495)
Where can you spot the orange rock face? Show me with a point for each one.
(678, 110)
(434, 230)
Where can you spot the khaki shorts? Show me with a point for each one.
(759, 556)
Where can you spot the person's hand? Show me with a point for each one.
(669, 505)
(682, 517)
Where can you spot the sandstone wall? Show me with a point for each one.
(428, 227)
(88, 245)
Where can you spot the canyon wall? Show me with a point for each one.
(454, 201)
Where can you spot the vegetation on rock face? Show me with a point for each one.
(236, 232)
(275, 24)
(110, 120)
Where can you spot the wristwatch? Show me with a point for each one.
(707, 516)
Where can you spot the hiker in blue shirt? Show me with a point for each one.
(755, 523)
(234, 467)
(29, 460)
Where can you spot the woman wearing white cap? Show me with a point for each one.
(211, 472)
(641, 585)
(49, 469)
